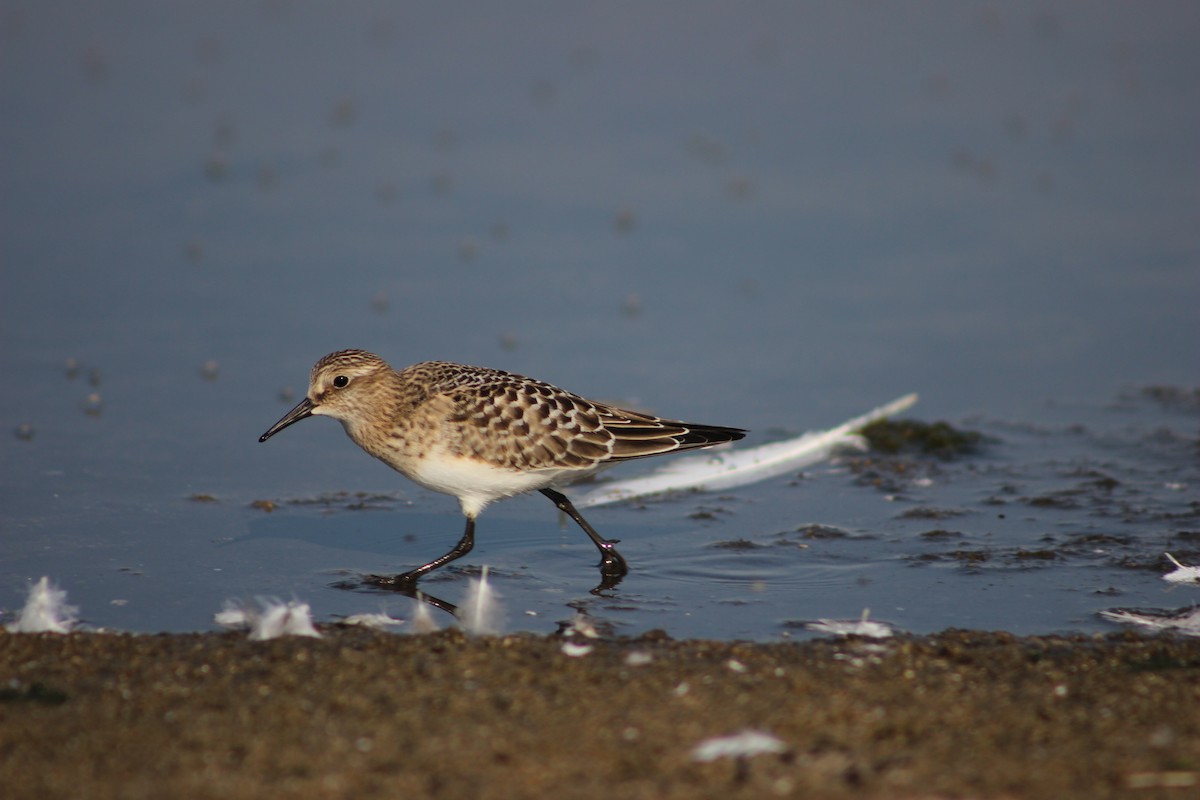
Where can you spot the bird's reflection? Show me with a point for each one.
(388, 583)
(408, 588)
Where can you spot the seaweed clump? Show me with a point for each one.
(939, 439)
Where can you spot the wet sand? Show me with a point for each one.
(365, 714)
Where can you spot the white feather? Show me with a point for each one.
(45, 611)
(422, 618)
(740, 745)
(379, 620)
(270, 621)
(853, 627)
(233, 614)
(730, 468)
(1185, 621)
(1182, 573)
(481, 612)
(283, 619)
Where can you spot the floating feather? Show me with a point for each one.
(283, 619)
(1185, 620)
(1182, 572)
(730, 468)
(233, 614)
(481, 613)
(853, 627)
(45, 611)
(422, 617)
(272, 620)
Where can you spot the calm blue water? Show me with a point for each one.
(774, 218)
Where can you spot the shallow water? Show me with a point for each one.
(776, 221)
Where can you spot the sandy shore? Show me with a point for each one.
(365, 714)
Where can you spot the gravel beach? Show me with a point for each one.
(363, 713)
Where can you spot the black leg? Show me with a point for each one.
(407, 581)
(611, 562)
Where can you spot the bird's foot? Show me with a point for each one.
(612, 567)
(405, 583)
(612, 563)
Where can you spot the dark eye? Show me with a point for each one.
(340, 382)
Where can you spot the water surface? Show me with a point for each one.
(774, 219)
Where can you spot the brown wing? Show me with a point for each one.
(639, 435)
(521, 423)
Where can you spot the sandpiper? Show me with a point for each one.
(483, 434)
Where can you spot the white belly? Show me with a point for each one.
(476, 483)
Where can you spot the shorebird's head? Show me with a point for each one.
(339, 387)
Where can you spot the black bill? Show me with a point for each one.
(303, 409)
